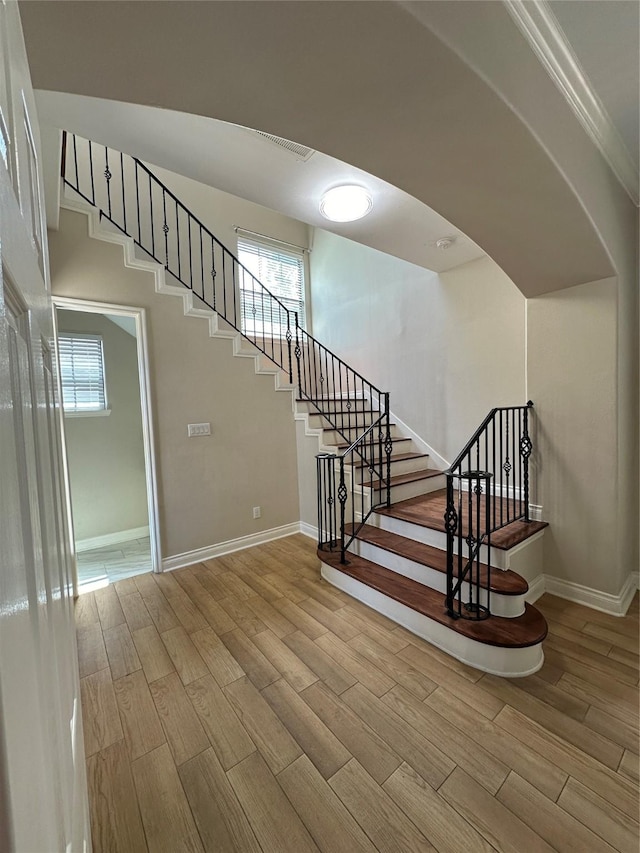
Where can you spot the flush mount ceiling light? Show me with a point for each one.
(346, 203)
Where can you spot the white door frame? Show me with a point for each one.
(140, 317)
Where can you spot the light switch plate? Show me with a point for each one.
(198, 429)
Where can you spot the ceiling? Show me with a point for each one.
(245, 164)
(605, 38)
(395, 99)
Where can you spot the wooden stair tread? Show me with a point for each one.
(502, 582)
(518, 632)
(428, 511)
(401, 457)
(344, 445)
(411, 477)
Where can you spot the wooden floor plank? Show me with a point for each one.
(603, 781)
(619, 732)
(463, 749)
(318, 741)
(219, 660)
(152, 652)
(102, 725)
(601, 817)
(548, 778)
(188, 614)
(140, 722)
(581, 736)
(288, 664)
(425, 757)
(273, 740)
(121, 651)
(167, 818)
(85, 611)
(109, 609)
(328, 821)
(333, 675)
(92, 654)
(221, 822)
(135, 611)
(378, 759)
(385, 824)
(228, 736)
(559, 829)
(359, 667)
(496, 823)
(244, 617)
(184, 655)
(629, 766)
(159, 608)
(249, 657)
(111, 793)
(183, 730)
(273, 819)
(300, 618)
(396, 667)
(370, 695)
(329, 619)
(439, 822)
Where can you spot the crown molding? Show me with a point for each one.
(544, 34)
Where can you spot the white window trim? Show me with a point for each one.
(85, 413)
(244, 235)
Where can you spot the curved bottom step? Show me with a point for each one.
(499, 653)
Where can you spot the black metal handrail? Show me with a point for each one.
(137, 203)
(142, 207)
(487, 488)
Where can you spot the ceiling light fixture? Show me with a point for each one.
(346, 203)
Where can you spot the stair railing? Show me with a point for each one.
(137, 203)
(487, 488)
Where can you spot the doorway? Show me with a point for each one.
(108, 439)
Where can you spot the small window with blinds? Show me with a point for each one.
(82, 374)
(272, 280)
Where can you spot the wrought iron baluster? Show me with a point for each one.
(107, 177)
(151, 219)
(124, 204)
(525, 450)
(93, 186)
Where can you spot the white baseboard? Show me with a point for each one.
(616, 605)
(112, 538)
(536, 589)
(309, 530)
(438, 461)
(188, 558)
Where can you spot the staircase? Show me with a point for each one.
(431, 549)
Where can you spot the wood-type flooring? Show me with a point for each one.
(244, 704)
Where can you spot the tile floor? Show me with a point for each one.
(111, 563)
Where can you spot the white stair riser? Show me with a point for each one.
(399, 447)
(333, 436)
(509, 606)
(400, 466)
(404, 491)
(428, 536)
(359, 420)
(505, 662)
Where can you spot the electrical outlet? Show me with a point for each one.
(257, 511)
(198, 429)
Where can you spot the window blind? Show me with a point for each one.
(281, 271)
(82, 373)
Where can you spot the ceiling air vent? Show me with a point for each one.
(300, 152)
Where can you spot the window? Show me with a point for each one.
(82, 374)
(281, 270)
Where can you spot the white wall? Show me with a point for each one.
(209, 485)
(43, 802)
(447, 347)
(106, 454)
